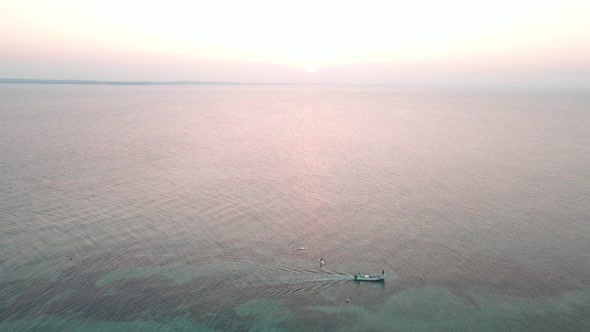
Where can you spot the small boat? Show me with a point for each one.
(369, 277)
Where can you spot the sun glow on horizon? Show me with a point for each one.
(289, 34)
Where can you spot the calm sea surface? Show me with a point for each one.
(160, 208)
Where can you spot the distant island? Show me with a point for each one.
(95, 82)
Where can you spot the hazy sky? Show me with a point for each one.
(513, 43)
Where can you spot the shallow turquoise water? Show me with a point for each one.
(185, 208)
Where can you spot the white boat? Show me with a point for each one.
(369, 277)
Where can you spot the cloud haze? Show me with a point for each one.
(523, 43)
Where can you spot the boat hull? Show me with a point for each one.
(372, 277)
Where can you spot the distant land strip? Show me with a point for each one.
(95, 82)
(436, 87)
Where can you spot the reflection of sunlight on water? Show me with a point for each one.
(159, 202)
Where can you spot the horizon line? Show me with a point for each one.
(192, 82)
(111, 82)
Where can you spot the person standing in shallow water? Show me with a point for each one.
(382, 273)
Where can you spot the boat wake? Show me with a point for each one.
(291, 284)
(317, 278)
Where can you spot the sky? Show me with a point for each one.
(536, 43)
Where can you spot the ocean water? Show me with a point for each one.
(206, 208)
